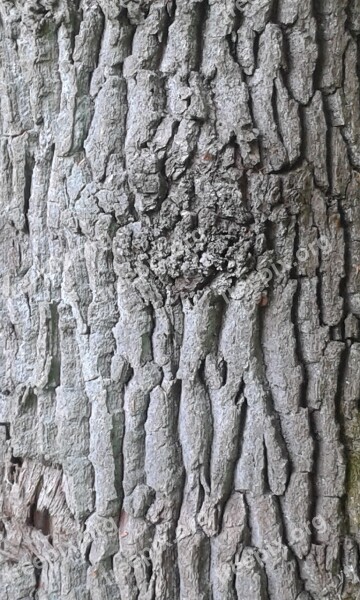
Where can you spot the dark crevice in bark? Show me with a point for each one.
(242, 421)
(50, 155)
(181, 477)
(181, 473)
(265, 474)
(348, 16)
(145, 9)
(275, 11)
(220, 310)
(295, 322)
(149, 569)
(329, 153)
(287, 59)
(319, 300)
(164, 36)
(231, 38)
(210, 424)
(98, 48)
(201, 495)
(117, 441)
(277, 120)
(175, 342)
(87, 553)
(343, 81)
(37, 573)
(55, 372)
(150, 310)
(92, 468)
(313, 476)
(339, 411)
(124, 18)
(347, 257)
(202, 9)
(256, 46)
(302, 151)
(16, 463)
(39, 519)
(250, 104)
(171, 6)
(224, 372)
(289, 168)
(29, 169)
(342, 373)
(269, 231)
(76, 18)
(244, 187)
(231, 42)
(29, 402)
(240, 394)
(6, 425)
(320, 46)
(131, 205)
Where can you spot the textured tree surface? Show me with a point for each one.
(174, 424)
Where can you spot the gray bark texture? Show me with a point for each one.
(180, 300)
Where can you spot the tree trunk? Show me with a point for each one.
(180, 243)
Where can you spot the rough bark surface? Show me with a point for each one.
(157, 159)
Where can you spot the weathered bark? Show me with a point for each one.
(180, 243)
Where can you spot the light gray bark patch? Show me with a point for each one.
(302, 47)
(179, 299)
(263, 97)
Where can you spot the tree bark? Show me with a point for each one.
(180, 301)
